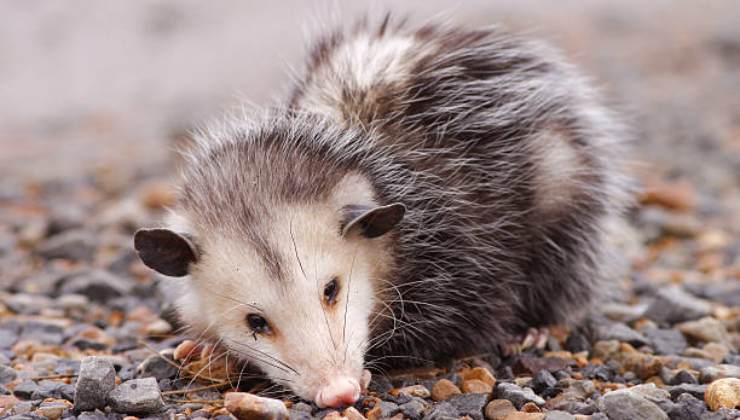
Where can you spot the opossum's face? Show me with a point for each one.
(298, 302)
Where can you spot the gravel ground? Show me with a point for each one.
(85, 332)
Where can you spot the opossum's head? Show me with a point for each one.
(294, 294)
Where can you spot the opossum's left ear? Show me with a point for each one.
(165, 251)
(372, 222)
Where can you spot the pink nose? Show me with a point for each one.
(337, 392)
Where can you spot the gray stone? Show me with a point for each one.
(665, 341)
(7, 374)
(543, 380)
(95, 381)
(137, 396)
(413, 409)
(92, 415)
(160, 366)
(693, 389)
(673, 304)
(517, 395)
(97, 285)
(443, 411)
(7, 338)
(712, 373)
(686, 407)
(470, 404)
(623, 313)
(72, 245)
(620, 332)
(25, 389)
(51, 389)
(559, 415)
(294, 415)
(625, 404)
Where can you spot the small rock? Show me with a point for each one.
(517, 395)
(577, 342)
(695, 390)
(139, 396)
(620, 332)
(665, 341)
(525, 416)
(712, 373)
(72, 245)
(247, 406)
(623, 313)
(25, 389)
(7, 374)
(624, 404)
(52, 410)
(350, 413)
(158, 328)
(682, 377)
(476, 386)
(481, 374)
(415, 391)
(559, 415)
(543, 380)
(96, 379)
(97, 285)
(723, 393)
(413, 409)
(716, 351)
(471, 405)
(673, 304)
(686, 408)
(444, 389)
(382, 410)
(706, 329)
(159, 366)
(443, 411)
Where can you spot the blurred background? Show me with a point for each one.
(87, 84)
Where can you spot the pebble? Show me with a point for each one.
(158, 328)
(559, 415)
(443, 411)
(706, 329)
(620, 332)
(712, 373)
(52, 410)
(25, 389)
(7, 374)
(245, 406)
(686, 407)
(351, 413)
(94, 382)
(476, 386)
(471, 405)
(525, 416)
(97, 285)
(413, 409)
(74, 245)
(444, 389)
(723, 393)
(481, 374)
(414, 391)
(543, 380)
(382, 410)
(674, 304)
(692, 389)
(625, 404)
(665, 341)
(137, 396)
(159, 366)
(517, 395)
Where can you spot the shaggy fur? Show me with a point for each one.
(508, 164)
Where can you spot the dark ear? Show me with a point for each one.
(165, 251)
(372, 222)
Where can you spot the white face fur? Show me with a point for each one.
(310, 325)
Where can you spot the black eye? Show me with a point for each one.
(331, 290)
(258, 324)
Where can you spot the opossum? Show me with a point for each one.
(425, 192)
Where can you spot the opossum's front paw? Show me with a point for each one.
(534, 338)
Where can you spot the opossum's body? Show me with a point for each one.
(509, 170)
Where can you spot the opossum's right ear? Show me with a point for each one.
(372, 222)
(165, 251)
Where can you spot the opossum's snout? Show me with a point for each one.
(337, 392)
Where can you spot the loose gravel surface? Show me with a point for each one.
(85, 332)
